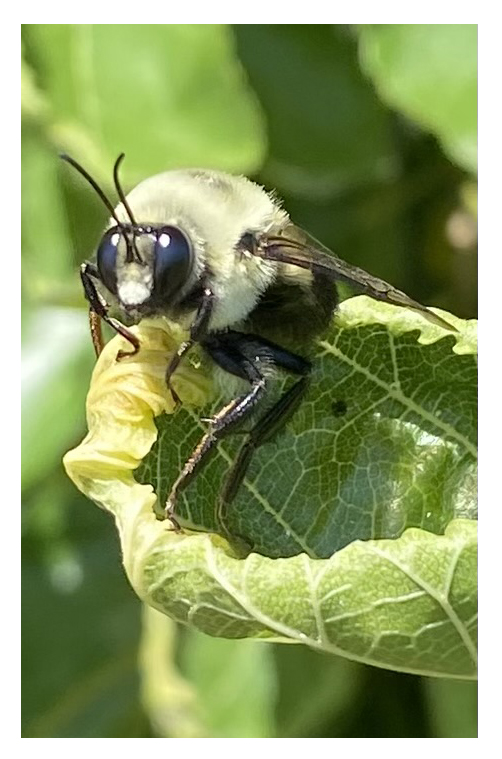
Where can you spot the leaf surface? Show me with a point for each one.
(385, 440)
(388, 575)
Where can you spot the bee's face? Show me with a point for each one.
(144, 263)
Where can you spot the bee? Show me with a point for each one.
(219, 255)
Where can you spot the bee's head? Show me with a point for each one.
(143, 265)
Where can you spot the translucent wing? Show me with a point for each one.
(294, 246)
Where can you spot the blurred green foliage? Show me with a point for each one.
(369, 136)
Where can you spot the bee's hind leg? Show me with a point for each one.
(267, 427)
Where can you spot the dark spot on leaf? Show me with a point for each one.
(339, 408)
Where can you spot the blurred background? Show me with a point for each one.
(369, 135)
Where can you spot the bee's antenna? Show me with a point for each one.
(93, 184)
(119, 189)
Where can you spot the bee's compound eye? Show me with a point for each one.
(107, 259)
(173, 261)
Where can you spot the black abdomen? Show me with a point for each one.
(293, 315)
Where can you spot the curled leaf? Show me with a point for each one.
(361, 515)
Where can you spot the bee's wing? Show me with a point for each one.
(294, 246)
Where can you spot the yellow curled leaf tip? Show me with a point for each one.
(123, 399)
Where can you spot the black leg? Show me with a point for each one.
(197, 331)
(99, 310)
(263, 432)
(222, 422)
(242, 355)
(258, 350)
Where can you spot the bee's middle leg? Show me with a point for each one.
(231, 360)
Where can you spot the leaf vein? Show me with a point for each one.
(398, 395)
(439, 597)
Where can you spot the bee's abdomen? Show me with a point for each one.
(293, 315)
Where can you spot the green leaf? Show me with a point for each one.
(167, 95)
(406, 603)
(385, 440)
(429, 72)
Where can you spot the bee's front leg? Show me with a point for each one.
(98, 309)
